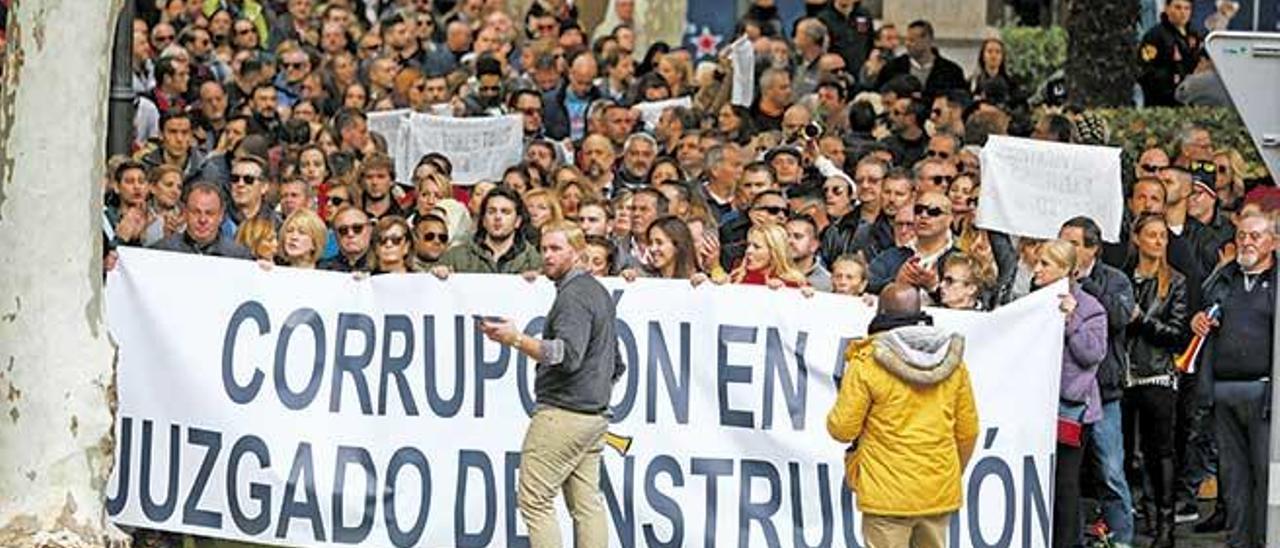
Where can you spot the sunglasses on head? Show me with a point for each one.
(246, 179)
(772, 210)
(929, 211)
(349, 230)
(435, 237)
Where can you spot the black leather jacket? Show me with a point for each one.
(1161, 330)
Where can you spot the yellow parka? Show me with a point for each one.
(906, 407)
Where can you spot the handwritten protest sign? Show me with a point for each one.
(743, 56)
(393, 125)
(650, 111)
(1029, 188)
(479, 148)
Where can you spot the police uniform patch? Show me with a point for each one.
(1149, 52)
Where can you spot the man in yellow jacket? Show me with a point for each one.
(906, 408)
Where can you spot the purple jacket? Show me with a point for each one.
(1085, 347)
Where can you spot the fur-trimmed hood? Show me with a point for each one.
(920, 354)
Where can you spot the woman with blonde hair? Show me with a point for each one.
(1079, 398)
(767, 260)
(302, 239)
(571, 194)
(543, 207)
(677, 72)
(1229, 167)
(258, 235)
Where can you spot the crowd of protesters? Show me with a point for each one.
(856, 166)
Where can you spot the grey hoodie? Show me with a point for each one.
(919, 354)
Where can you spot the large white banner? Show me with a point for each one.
(1029, 187)
(480, 148)
(310, 408)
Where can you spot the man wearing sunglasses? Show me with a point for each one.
(430, 241)
(354, 232)
(934, 175)
(248, 191)
(917, 263)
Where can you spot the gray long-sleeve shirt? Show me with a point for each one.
(580, 359)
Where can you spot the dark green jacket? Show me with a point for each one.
(474, 257)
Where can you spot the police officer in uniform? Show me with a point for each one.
(1169, 52)
(1237, 355)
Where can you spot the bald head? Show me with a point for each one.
(898, 298)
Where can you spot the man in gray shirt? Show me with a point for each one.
(578, 363)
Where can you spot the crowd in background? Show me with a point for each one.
(857, 164)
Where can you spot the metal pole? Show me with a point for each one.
(1273, 466)
(120, 109)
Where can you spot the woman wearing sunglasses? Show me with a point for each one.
(391, 246)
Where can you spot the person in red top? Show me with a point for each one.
(767, 260)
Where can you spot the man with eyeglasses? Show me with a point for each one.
(354, 232)
(897, 192)
(848, 210)
(1237, 356)
(528, 104)
(249, 190)
(943, 147)
(203, 211)
(918, 263)
(295, 65)
(1150, 162)
(947, 114)
(430, 241)
(768, 207)
(934, 175)
(906, 121)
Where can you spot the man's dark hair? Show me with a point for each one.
(392, 18)
(127, 165)
(917, 109)
(203, 186)
(761, 166)
(903, 85)
(806, 219)
(506, 193)
(1059, 126)
(1092, 234)
(345, 117)
(165, 68)
(957, 98)
(487, 65)
(924, 26)
(440, 160)
(188, 36)
(862, 117)
(762, 195)
(173, 114)
(514, 97)
(251, 159)
(610, 250)
(660, 199)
